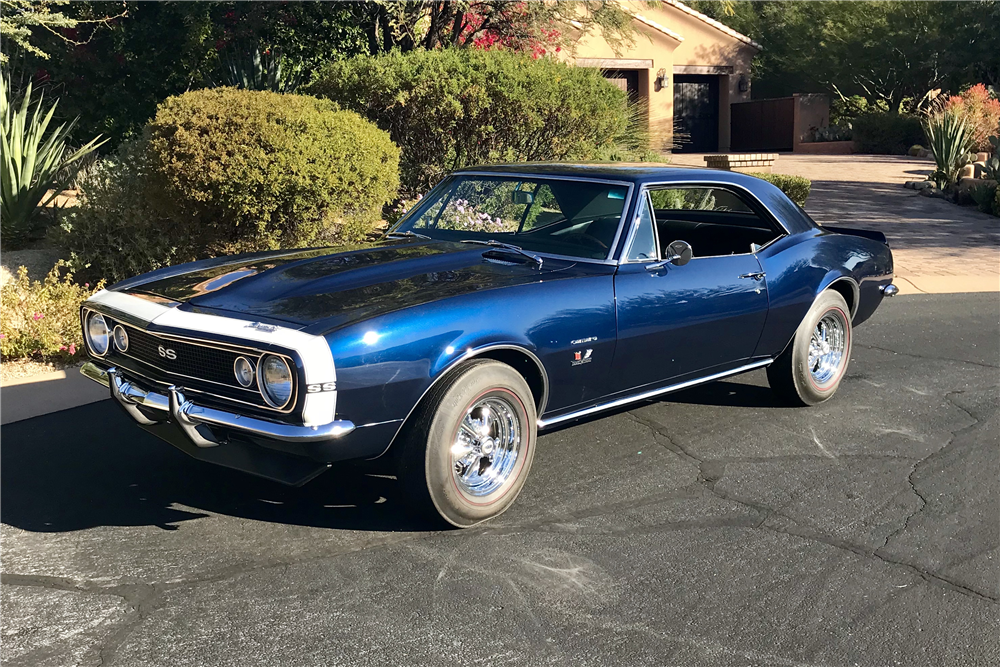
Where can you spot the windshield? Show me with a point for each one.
(574, 218)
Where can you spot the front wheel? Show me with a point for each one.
(468, 451)
(810, 369)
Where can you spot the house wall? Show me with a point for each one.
(701, 49)
(650, 45)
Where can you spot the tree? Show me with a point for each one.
(534, 27)
(20, 17)
(893, 53)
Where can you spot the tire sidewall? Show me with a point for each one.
(474, 384)
(811, 392)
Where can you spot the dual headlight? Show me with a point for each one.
(274, 377)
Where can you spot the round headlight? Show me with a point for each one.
(97, 334)
(275, 379)
(121, 338)
(244, 371)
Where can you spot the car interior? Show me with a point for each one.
(713, 221)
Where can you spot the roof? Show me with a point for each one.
(631, 172)
(712, 22)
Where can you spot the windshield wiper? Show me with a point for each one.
(506, 246)
(407, 234)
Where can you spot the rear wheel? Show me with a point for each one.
(811, 368)
(468, 451)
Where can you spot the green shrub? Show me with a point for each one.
(41, 320)
(242, 170)
(796, 187)
(915, 150)
(453, 108)
(887, 133)
(984, 194)
(115, 233)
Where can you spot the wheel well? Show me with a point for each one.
(526, 366)
(847, 289)
(530, 369)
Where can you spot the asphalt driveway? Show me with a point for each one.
(713, 528)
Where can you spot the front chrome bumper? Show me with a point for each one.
(188, 416)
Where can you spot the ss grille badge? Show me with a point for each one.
(321, 387)
(166, 352)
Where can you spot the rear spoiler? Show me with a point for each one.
(865, 233)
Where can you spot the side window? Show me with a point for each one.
(714, 220)
(643, 246)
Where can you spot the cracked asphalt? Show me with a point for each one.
(712, 528)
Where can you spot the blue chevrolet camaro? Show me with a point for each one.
(511, 299)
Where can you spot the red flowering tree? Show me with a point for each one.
(538, 28)
(981, 113)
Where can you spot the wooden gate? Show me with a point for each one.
(763, 125)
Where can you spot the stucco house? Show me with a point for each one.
(686, 67)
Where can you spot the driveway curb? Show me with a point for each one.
(45, 393)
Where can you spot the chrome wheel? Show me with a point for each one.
(827, 346)
(487, 446)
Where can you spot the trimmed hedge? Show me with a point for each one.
(241, 170)
(796, 187)
(887, 133)
(454, 108)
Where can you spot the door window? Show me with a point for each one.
(714, 220)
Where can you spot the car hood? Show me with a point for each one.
(326, 289)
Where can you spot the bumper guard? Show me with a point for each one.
(188, 416)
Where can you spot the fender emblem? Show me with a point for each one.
(581, 357)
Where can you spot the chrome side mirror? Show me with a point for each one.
(677, 253)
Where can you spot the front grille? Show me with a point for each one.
(207, 369)
(190, 360)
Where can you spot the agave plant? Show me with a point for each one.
(259, 69)
(950, 141)
(35, 161)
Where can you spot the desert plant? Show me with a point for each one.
(915, 150)
(41, 319)
(115, 233)
(981, 113)
(257, 68)
(240, 171)
(992, 165)
(949, 139)
(796, 187)
(984, 194)
(452, 108)
(35, 161)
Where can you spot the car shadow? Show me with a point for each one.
(91, 466)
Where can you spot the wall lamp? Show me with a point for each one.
(743, 84)
(661, 80)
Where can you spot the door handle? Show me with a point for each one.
(756, 275)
